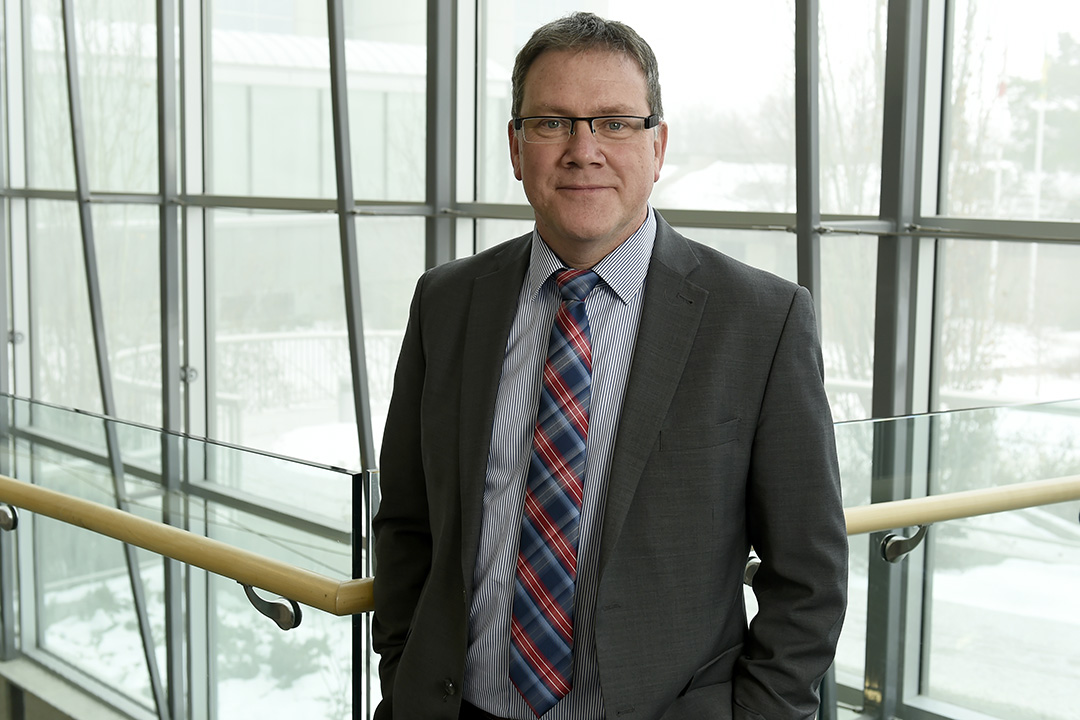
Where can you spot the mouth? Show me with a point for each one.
(583, 188)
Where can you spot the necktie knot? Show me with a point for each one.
(576, 284)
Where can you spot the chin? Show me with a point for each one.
(589, 225)
(587, 233)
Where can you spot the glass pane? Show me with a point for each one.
(386, 57)
(280, 353)
(851, 99)
(82, 595)
(854, 446)
(260, 671)
(848, 298)
(48, 153)
(1003, 333)
(1002, 628)
(490, 233)
(64, 357)
(774, 252)
(62, 342)
(271, 129)
(282, 369)
(326, 495)
(88, 616)
(392, 254)
(118, 85)
(127, 241)
(731, 144)
(1012, 144)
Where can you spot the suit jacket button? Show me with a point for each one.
(450, 688)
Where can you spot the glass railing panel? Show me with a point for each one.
(78, 614)
(85, 432)
(854, 442)
(259, 670)
(88, 619)
(1001, 626)
(297, 488)
(998, 628)
(85, 614)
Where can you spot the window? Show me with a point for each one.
(1013, 112)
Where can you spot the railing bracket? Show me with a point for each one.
(9, 517)
(895, 548)
(286, 613)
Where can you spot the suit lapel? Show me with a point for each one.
(670, 314)
(491, 313)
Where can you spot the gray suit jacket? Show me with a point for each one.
(725, 441)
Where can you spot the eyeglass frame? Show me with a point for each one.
(649, 122)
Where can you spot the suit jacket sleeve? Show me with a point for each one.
(402, 528)
(796, 525)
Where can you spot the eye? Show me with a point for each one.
(552, 123)
(615, 125)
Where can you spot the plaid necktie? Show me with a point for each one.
(542, 625)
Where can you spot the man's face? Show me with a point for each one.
(588, 196)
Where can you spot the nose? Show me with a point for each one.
(583, 145)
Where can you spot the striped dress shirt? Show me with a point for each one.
(614, 311)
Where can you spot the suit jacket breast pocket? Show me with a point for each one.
(698, 436)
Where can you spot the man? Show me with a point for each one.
(563, 532)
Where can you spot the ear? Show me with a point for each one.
(660, 149)
(515, 149)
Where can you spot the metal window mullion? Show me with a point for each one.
(5, 181)
(899, 258)
(205, 700)
(347, 230)
(18, 57)
(169, 289)
(21, 312)
(440, 173)
(86, 226)
(807, 151)
(208, 268)
(190, 178)
(8, 648)
(350, 266)
(901, 287)
(8, 625)
(886, 589)
(100, 346)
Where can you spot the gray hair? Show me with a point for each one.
(585, 31)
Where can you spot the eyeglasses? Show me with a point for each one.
(605, 128)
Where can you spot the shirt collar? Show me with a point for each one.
(623, 269)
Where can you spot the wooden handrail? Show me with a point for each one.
(352, 596)
(952, 506)
(336, 597)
